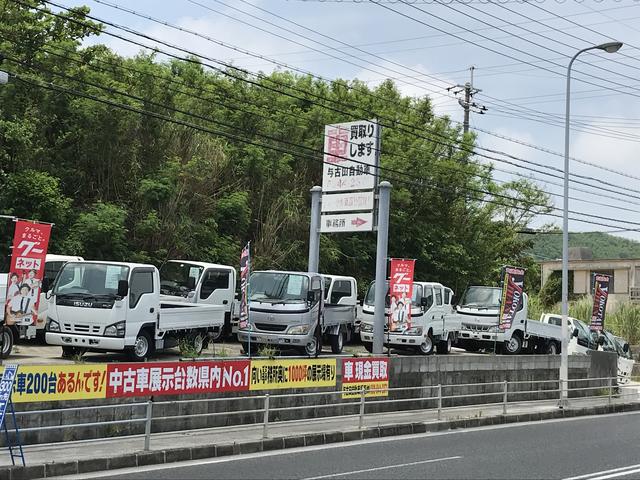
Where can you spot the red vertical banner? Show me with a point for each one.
(600, 295)
(400, 294)
(30, 243)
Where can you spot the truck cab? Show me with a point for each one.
(581, 339)
(288, 310)
(203, 283)
(612, 343)
(430, 326)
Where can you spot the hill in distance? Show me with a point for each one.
(603, 245)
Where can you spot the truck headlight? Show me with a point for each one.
(366, 327)
(413, 331)
(52, 325)
(115, 330)
(494, 329)
(299, 330)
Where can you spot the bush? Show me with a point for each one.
(624, 321)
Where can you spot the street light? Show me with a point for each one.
(609, 47)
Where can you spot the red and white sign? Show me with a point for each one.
(28, 256)
(350, 156)
(370, 374)
(347, 222)
(400, 294)
(176, 378)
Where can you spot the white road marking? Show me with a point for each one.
(375, 469)
(611, 473)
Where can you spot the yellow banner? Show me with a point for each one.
(371, 389)
(272, 374)
(45, 383)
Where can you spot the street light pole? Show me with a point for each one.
(610, 47)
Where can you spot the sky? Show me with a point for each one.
(519, 51)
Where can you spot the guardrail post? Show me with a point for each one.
(505, 398)
(439, 401)
(265, 427)
(147, 426)
(361, 421)
(610, 388)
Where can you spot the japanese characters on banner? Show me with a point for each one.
(30, 243)
(176, 378)
(272, 374)
(400, 294)
(512, 295)
(350, 156)
(370, 374)
(50, 383)
(245, 268)
(600, 295)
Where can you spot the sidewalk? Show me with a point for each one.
(122, 452)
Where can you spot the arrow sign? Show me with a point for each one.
(347, 222)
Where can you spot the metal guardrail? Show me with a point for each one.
(504, 392)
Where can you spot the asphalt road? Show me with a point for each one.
(587, 448)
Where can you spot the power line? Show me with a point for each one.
(394, 123)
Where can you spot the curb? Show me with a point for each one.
(158, 457)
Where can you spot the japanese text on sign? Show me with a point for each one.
(400, 294)
(24, 283)
(351, 156)
(370, 374)
(268, 374)
(170, 378)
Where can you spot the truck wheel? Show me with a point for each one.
(426, 347)
(514, 345)
(444, 346)
(314, 347)
(337, 342)
(217, 335)
(7, 342)
(368, 346)
(552, 348)
(196, 340)
(70, 352)
(143, 348)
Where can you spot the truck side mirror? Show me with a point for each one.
(625, 348)
(123, 288)
(454, 301)
(311, 296)
(601, 340)
(424, 302)
(362, 302)
(237, 296)
(191, 283)
(46, 283)
(575, 332)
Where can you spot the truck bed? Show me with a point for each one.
(336, 314)
(544, 330)
(181, 315)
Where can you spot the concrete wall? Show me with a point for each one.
(468, 372)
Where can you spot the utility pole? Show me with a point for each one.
(467, 104)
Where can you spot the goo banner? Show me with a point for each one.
(600, 295)
(245, 266)
(400, 294)
(512, 295)
(30, 243)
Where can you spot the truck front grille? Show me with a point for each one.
(268, 327)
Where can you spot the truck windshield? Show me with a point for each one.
(174, 277)
(370, 299)
(481, 297)
(89, 279)
(277, 287)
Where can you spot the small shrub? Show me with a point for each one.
(267, 351)
(187, 349)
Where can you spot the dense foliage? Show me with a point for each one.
(120, 184)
